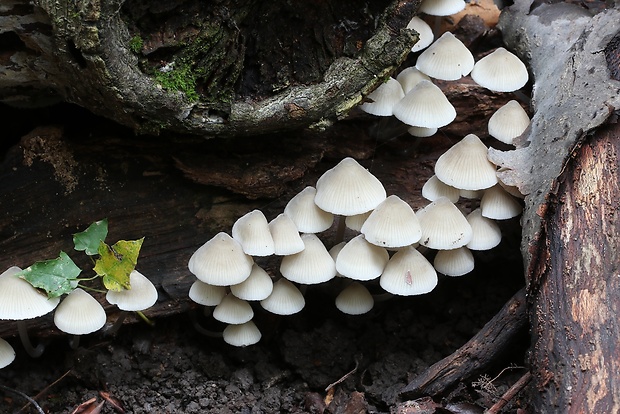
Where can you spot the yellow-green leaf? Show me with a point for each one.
(116, 263)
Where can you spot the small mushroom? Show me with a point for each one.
(382, 100)
(443, 225)
(310, 266)
(425, 106)
(433, 188)
(286, 239)
(140, 297)
(257, 286)
(425, 32)
(441, 7)
(361, 260)
(19, 301)
(306, 215)
(7, 353)
(508, 122)
(500, 71)
(355, 299)
(285, 299)
(252, 232)
(233, 310)
(241, 335)
(455, 262)
(486, 234)
(221, 261)
(79, 314)
(408, 273)
(392, 223)
(446, 59)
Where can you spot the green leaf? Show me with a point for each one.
(55, 276)
(116, 263)
(88, 240)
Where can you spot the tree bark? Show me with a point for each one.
(567, 163)
(227, 69)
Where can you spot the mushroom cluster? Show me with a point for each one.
(390, 245)
(78, 313)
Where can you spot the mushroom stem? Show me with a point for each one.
(33, 351)
(382, 297)
(24, 396)
(340, 229)
(206, 332)
(117, 324)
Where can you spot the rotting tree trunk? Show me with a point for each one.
(567, 163)
(227, 69)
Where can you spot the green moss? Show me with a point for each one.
(181, 78)
(135, 44)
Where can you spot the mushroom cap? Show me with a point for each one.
(79, 313)
(7, 353)
(19, 300)
(355, 299)
(286, 239)
(508, 122)
(433, 188)
(425, 32)
(257, 286)
(306, 215)
(244, 334)
(426, 106)
(498, 204)
(252, 232)
(383, 99)
(421, 132)
(500, 71)
(441, 7)
(443, 225)
(392, 223)
(486, 234)
(310, 266)
(410, 77)
(360, 260)
(466, 166)
(455, 262)
(285, 299)
(348, 189)
(408, 273)
(141, 296)
(447, 59)
(205, 294)
(221, 261)
(233, 310)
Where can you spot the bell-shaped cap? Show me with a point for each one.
(306, 215)
(441, 7)
(205, 294)
(410, 77)
(221, 261)
(500, 71)
(257, 286)
(425, 32)
(244, 334)
(382, 100)
(285, 299)
(498, 204)
(486, 234)
(141, 296)
(233, 310)
(392, 224)
(19, 300)
(425, 106)
(443, 225)
(79, 313)
(310, 266)
(508, 122)
(355, 299)
(7, 353)
(408, 273)
(286, 238)
(447, 59)
(360, 260)
(348, 189)
(357, 221)
(433, 188)
(455, 262)
(466, 166)
(252, 232)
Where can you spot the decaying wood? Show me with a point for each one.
(208, 70)
(569, 169)
(476, 355)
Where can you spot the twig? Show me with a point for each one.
(45, 390)
(21, 394)
(509, 395)
(344, 377)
